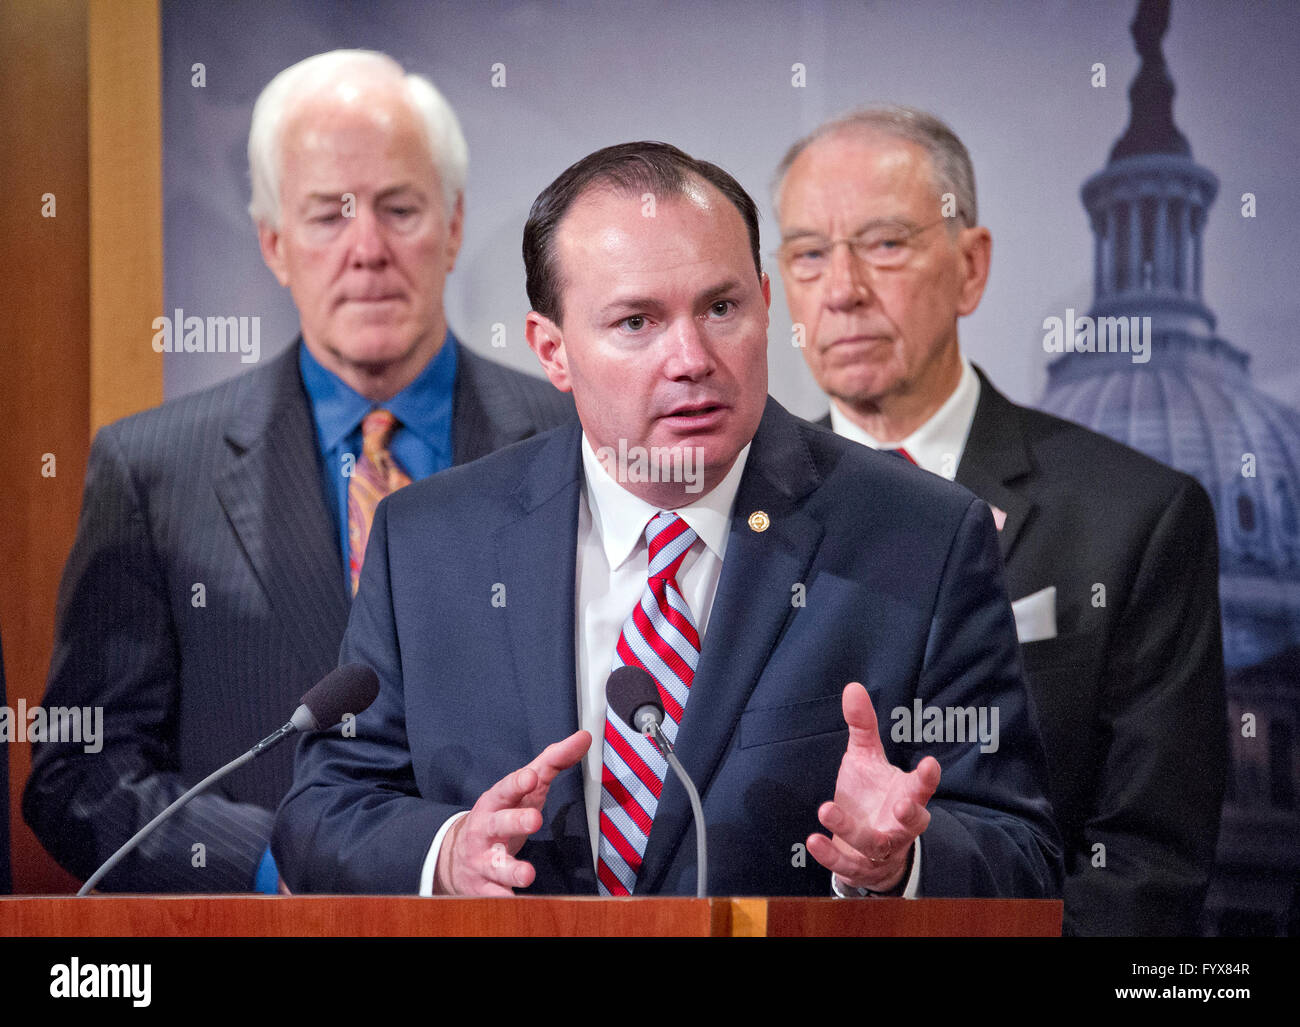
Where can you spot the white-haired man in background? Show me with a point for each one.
(1128, 689)
(222, 534)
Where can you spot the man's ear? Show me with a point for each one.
(272, 244)
(546, 340)
(455, 232)
(976, 248)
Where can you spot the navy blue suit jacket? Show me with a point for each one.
(902, 591)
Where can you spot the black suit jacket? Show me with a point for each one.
(1129, 694)
(203, 595)
(903, 593)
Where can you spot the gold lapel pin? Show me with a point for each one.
(759, 521)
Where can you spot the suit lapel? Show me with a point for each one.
(750, 610)
(272, 494)
(485, 415)
(536, 559)
(996, 462)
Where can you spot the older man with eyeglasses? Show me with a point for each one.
(1110, 557)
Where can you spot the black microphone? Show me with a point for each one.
(347, 689)
(633, 695)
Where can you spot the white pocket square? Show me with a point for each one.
(1036, 615)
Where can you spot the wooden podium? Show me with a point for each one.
(373, 916)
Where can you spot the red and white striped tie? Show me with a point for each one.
(659, 636)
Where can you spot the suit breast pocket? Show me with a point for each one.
(1078, 650)
(795, 720)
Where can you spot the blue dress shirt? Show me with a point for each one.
(421, 445)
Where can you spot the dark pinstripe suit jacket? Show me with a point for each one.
(203, 595)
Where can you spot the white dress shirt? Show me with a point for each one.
(939, 443)
(612, 571)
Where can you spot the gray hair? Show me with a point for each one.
(950, 163)
(444, 138)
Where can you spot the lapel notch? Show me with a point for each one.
(996, 462)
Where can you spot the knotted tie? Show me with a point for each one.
(659, 636)
(375, 476)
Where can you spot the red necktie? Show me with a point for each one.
(659, 636)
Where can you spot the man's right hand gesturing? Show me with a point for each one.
(478, 854)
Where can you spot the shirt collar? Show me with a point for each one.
(424, 407)
(938, 444)
(619, 518)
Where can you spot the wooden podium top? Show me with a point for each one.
(375, 916)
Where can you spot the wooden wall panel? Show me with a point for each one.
(79, 82)
(126, 247)
(44, 339)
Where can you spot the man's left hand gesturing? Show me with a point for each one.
(878, 810)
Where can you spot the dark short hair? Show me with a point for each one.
(631, 168)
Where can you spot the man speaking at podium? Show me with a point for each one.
(761, 569)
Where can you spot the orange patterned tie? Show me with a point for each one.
(375, 476)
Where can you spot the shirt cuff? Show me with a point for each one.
(431, 860)
(909, 891)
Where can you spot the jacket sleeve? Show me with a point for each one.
(1151, 833)
(354, 821)
(116, 656)
(991, 831)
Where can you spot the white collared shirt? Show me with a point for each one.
(612, 570)
(939, 443)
